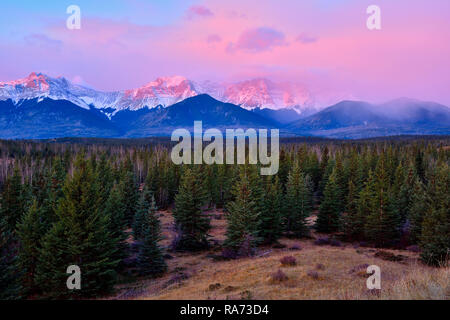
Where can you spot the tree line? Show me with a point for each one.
(96, 206)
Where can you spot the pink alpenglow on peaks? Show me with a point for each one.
(264, 93)
(163, 90)
(250, 94)
(33, 81)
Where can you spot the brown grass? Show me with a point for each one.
(339, 276)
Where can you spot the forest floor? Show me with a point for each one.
(321, 272)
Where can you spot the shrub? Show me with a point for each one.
(374, 292)
(358, 268)
(295, 247)
(320, 266)
(278, 276)
(246, 295)
(214, 286)
(313, 274)
(335, 243)
(388, 256)
(363, 244)
(168, 256)
(177, 278)
(413, 248)
(288, 261)
(228, 253)
(322, 241)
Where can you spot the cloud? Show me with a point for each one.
(41, 40)
(305, 38)
(199, 11)
(213, 38)
(259, 40)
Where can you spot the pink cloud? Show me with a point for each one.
(259, 39)
(213, 38)
(305, 38)
(402, 59)
(42, 40)
(199, 11)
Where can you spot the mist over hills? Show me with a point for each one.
(358, 119)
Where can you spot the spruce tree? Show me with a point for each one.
(419, 204)
(403, 192)
(129, 190)
(142, 209)
(13, 200)
(435, 238)
(191, 222)
(115, 212)
(328, 219)
(80, 237)
(383, 221)
(363, 207)
(341, 182)
(150, 259)
(270, 228)
(243, 218)
(9, 274)
(351, 226)
(30, 231)
(256, 185)
(297, 203)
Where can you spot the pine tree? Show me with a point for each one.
(224, 185)
(383, 221)
(435, 238)
(328, 219)
(104, 178)
(243, 218)
(270, 228)
(80, 237)
(403, 192)
(313, 170)
(351, 225)
(419, 204)
(143, 207)
(341, 182)
(150, 259)
(297, 203)
(13, 200)
(420, 165)
(256, 185)
(192, 223)
(30, 231)
(129, 191)
(9, 275)
(115, 211)
(325, 176)
(57, 177)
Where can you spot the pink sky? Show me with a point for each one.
(322, 44)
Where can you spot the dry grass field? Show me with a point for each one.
(320, 272)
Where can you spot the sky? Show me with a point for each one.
(323, 44)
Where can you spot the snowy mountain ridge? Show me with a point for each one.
(163, 91)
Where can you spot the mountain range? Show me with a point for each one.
(164, 91)
(39, 106)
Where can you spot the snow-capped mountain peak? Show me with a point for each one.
(263, 93)
(34, 81)
(163, 91)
